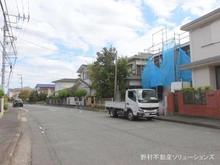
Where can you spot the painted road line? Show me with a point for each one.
(51, 110)
(24, 109)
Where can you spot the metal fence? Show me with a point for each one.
(197, 98)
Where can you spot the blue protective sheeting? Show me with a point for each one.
(183, 75)
(146, 74)
(153, 76)
(168, 73)
(156, 77)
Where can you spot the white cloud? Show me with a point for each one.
(186, 20)
(165, 22)
(81, 28)
(162, 8)
(200, 8)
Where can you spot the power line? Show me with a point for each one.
(45, 47)
(49, 48)
(8, 45)
(17, 7)
(21, 33)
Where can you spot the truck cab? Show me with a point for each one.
(141, 103)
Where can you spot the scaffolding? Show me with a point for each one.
(166, 56)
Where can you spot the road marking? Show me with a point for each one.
(24, 109)
(41, 129)
(51, 110)
(23, 119)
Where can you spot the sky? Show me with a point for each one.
(54, 38)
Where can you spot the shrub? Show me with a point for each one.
(207, 87)
(80, 92)
(196, 89)
(2, 93)
(199, 89)
(6, 106)
(53, 97)
(188, 89)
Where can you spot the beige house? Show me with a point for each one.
(205, 50)
(45, 88)
(14, 93)
(136, 65)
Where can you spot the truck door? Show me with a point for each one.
(131, 101)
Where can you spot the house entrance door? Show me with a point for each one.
(176, 107)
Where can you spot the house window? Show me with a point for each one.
(85, 76)
(139, 69)
(217, 71)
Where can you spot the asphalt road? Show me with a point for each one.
(67, 136)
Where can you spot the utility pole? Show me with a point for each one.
(21, 81)
(3, 57)
(115, 85)
(9, 52)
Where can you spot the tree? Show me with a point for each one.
(33, 96)
(42, 96)
(102, 73)
(24, 94)
(2, 93)
(63, 93)
(80, 92)
(122, 73)
(71, 91)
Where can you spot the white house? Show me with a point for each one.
(205, 50)
(83, 81)
(64, 83)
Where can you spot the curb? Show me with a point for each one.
(190, 123)
(10, 151)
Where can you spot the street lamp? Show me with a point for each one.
(115, 85)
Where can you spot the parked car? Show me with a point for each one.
(17, 103)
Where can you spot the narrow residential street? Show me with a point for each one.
(67, 136)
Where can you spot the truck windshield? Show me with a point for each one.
(146, 96)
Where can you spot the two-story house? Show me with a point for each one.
(136, 65)
(205, 50)
(45, 88)
(83, 81)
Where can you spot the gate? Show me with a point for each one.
(176, 106)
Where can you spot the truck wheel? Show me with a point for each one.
(130, 116)
(113, 113)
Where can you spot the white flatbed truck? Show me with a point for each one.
(139, 103)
